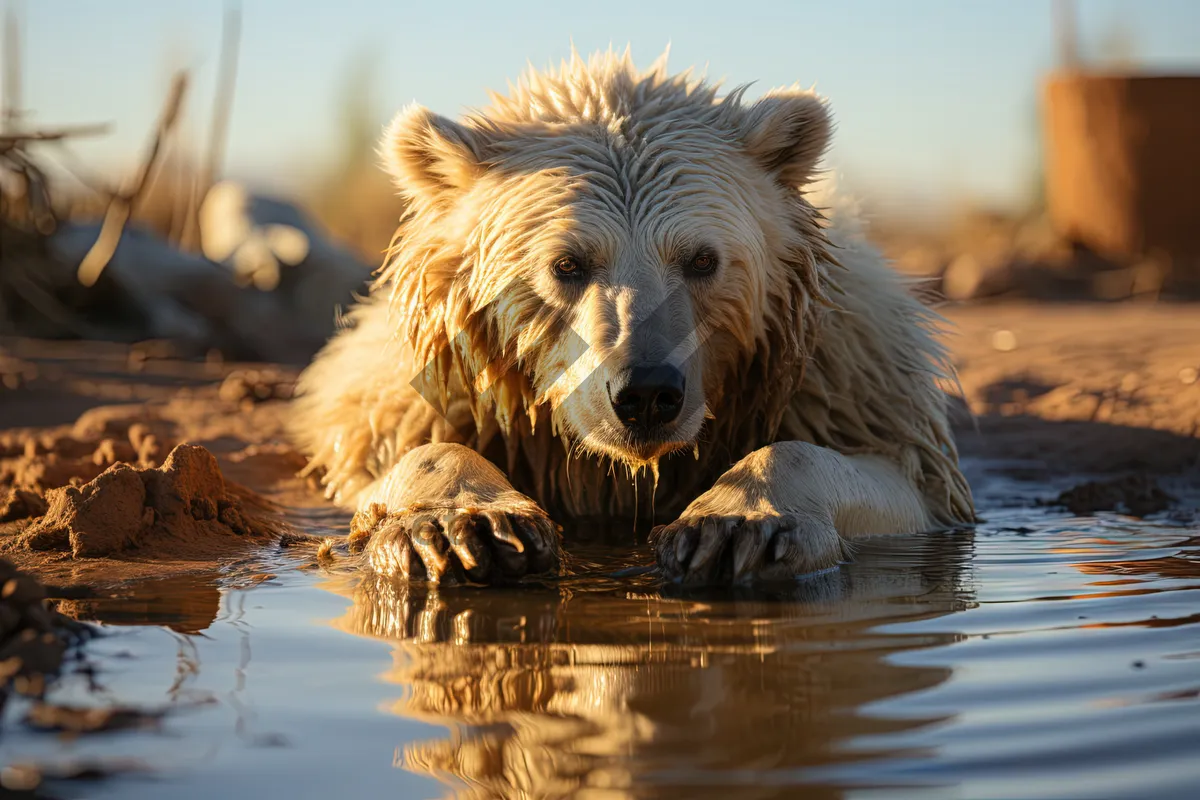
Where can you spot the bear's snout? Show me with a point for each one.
(651, 397)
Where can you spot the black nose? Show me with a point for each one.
(652, 396)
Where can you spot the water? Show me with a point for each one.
(1037, 656)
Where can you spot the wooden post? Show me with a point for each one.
(1123, 163)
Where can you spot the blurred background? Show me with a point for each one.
(205, 173)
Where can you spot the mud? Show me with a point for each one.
(33, 637)
(182, 508)
(23, 780)
(1133, 367)
(34, 462)
(21, 504)
(1061, 396)
(181, 511)
(146, 488)
(252, 386)
(1136, 495)
(78, 720)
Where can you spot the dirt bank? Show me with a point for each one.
(1063, 394)
(187, 472)
(1133, 366)
(182, 509)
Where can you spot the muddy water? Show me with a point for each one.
(1038, 656)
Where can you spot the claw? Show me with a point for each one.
(502, 530)
(685, 545)
(749, 548)
(425, 539)
(404, 558)
(391, 553)
(464, 537)
(714, 535)
(785, 545)
(664, 542)
(458, 530)
(409, 564)
(511, 558)
(448, 546)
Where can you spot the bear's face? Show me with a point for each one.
(628, 269)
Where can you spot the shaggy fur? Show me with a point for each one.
(803, 336)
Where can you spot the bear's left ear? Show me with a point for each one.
(788, 131)
(431, 155)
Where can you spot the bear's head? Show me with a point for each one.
(626, 253)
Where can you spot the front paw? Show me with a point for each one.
(726, 549)
(489, 544)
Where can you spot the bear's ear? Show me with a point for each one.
(787, 131)
(427, 154)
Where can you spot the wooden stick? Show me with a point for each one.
(122, 205)
(219, 134)
(13, 139)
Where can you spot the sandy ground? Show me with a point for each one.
(99, 482)
(1065, 392)
(1059, 394)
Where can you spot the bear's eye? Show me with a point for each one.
(703, 263)
(567, 267)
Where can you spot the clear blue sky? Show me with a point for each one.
(934, 98)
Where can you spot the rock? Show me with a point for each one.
(280, 254)
(151, 282)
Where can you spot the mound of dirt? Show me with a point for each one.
(33, 462)
(1136, 495)
(248, 387)
(180, 509)
(18, 504)
(33, 639)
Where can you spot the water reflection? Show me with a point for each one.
(186, 604)
(617, 688)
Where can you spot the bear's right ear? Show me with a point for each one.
(427, 154)
(788, 131)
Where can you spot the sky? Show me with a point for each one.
(935, 100)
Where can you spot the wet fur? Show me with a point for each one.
(812, 340)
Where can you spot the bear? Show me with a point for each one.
(613, 294)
